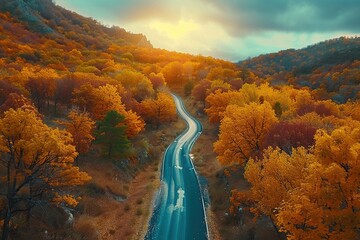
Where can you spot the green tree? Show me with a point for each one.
(111, 134)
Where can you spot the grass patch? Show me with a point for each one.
(139, 201)
(149, 187)
(90, 207)
(85, 227)
(127, 207)
(139, 212)
(92, 189)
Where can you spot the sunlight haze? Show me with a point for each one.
(232, 30)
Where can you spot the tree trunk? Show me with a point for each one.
(6, 226)
(5, 232)
(77, 160)
(38, 104)
(109, 151)
(275, 227)
(55, 106)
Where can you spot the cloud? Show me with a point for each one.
(251, 16)
(238, 17)
(229, 29)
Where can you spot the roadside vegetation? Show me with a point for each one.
(86, 114)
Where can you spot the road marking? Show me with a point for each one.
(180, 200)
(178, 167)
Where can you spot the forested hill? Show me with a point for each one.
(331, 67)
(75, 84)
(44, 17)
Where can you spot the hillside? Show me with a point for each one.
(86, 115)
(330, 67)
(43, 16)
(65, 75)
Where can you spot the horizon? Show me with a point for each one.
(238, 30)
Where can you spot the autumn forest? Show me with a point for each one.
(87, 112)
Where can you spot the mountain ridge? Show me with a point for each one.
(45, 17)
(330, 68)
(335, 46)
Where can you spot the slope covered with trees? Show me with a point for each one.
(330, 68)
(44, 17)
(86, 98)
(298, 152)
(85, 111)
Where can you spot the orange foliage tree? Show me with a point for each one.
(242, 132)
(106, 98)
(218, 101)
(159, 110)
(174, 73)
(83, 97)
(200, 90)
(37, 162)
(133, 122)
(42, 86)
(81, 127)
(16, 101)
(157, 80)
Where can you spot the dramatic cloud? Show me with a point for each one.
(230, 29)
(244, 16)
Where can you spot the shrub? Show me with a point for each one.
(86, 228)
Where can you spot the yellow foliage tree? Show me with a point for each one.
(37, 161)
(352, 109)
(329, 206)
(310, 194)
(136, 83)
(274, 176)
(242, 132)
(105, 99)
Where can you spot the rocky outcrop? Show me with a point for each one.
(29, 11)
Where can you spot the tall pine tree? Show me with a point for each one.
(112, 133)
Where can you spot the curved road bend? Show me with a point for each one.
(179, 208)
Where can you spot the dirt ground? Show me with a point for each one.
(124, 207)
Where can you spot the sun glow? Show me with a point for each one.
(174, 31)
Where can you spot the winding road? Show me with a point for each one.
(179, 212)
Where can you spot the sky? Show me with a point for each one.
(229, 29)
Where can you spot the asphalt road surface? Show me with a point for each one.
(179, 207)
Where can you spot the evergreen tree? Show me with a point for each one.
(112, 133)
